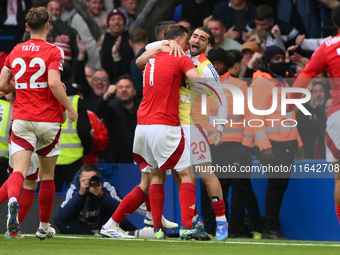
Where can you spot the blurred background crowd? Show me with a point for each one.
(102, 39)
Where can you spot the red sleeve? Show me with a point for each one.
(7, 63)
(186, 64)
(317, 62)
(57, 60)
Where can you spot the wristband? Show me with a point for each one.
(116, 55)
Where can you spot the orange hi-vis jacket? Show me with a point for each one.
(234, 128)
(277, 127)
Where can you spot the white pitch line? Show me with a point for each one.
(207, 242)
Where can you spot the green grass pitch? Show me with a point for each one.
(74, 244)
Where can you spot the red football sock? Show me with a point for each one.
(337, 211)
(156, 194)
(3, 192)
(219, 208)
(148, 205)
(187, 200)
(46, 198)
(129, 204)
(25, 202)
(14, 185)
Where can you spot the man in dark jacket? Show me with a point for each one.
(118, 106)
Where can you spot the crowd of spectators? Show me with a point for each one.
(102, 39)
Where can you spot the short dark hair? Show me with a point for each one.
(162, 26)
(218, 20)
(336, 16)
(233, 57)
(89, 168)
(211, 38)
(263, 12)
(37, 17)
(138, 35)
(125, 77)
(173, 31)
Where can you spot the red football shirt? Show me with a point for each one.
(327, 56)
(163, 75)
(29, 63)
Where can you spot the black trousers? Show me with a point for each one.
(3, 170)
(242, 192)
(284, 153)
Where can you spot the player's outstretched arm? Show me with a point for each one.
(5, 81)
(144, 58)
(196, 81)
(59, 92)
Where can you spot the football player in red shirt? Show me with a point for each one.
(38, 110)
(327, 57)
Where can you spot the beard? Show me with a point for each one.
(125, 101)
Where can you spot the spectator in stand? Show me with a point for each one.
(98, 84)
(312, 128)
(68, 11)
(328, 104)
(161, 27)
(60, 27)
(160, 11)
(62, 41)
(257, 35)
(278, 32)
(218, 58)
(196, 11)
(236, 14)
(185, 23)
(304, 14)
(118, 107)
(108, 4)
(328, 28)
(216, 26)
(12, 22)
(116, 54)
(90, 29)
(277, 144)
(128, 8)
(251, 58)
(138, 40)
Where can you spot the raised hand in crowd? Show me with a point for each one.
(232, 34)
(109, 92)
(296, 58)
(299, 39)
(81, 48)
(254, 61)
(115, 49)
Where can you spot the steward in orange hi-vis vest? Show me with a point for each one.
(272, 130)
(276, 135)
